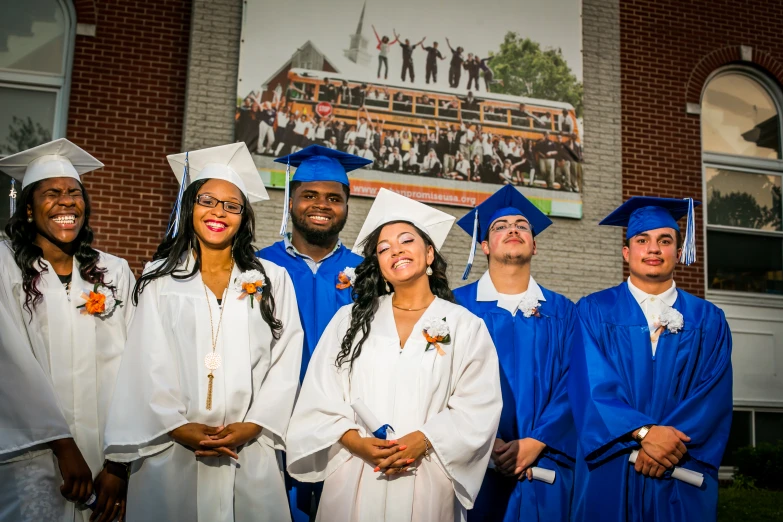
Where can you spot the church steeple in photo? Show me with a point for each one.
(357, 52)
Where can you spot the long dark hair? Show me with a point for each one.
(29, 256)
(173, 247)
(370, 285)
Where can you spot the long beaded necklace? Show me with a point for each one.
(212, 360)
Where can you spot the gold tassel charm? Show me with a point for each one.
(209, 391)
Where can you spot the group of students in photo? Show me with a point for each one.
(313, 381)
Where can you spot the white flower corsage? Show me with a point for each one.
(346, 278)
(100, 301)
(436, 331)
(671, 319)
(250, 283)
(529, 305)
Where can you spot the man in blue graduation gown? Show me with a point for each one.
(652, 374)
(318, 263)
(533, 329)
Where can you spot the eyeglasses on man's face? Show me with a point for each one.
(208, 201)
(521, 226)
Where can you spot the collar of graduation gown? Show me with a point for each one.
(385, 326)
(668, 297)
(486, 291)
(621, 307)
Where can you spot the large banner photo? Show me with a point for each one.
(450, 100)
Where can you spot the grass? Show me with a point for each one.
(749, 505)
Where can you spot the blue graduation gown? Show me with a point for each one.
(534, 356)
(318, 299)
(616, 385)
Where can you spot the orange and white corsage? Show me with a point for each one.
(529, 305)
(100, 301)
(250, 283)
(346, 278)
(436, 331)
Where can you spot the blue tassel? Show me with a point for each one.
(688, 254)
(12, 197)
(472, 247)
(174, 220)
(284, 224)
(380, 433)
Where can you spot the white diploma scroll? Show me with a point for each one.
(694, 478)
(542, 474)
(367, 417)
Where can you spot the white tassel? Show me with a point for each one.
(284, 224)
(174, 225)
(688, 254)
(472, 247)
(12, 197)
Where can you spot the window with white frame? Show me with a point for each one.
(741, 154)
(751, 427)
(36, 53)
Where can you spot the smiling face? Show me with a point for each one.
(58, 210)
(215, 228)
(652, 255)
(508, 245)
(319, 210)
(403, 256)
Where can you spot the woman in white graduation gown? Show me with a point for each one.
(211, 367)
(65, 311)
(419, 363)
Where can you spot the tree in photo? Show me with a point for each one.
(528, 70)
(24, 134)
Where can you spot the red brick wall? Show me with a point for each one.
(668, 48)
(126, 108)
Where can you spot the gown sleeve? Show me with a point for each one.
(555, 426)
(146, 404)
(322, 413)
(272, 404)
(462, 435)
(705, 415)
(601, 409)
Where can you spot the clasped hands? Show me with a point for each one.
(389, 457)
(209, 441)
(662, 448)
(515, 458)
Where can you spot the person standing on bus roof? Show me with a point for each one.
(319, 265)
(383, 57)
(455, 67)
(407, 55)
(433, 55)
(472, 66)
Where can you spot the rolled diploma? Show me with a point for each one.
(369, 419)
(542, 474)
(694, 478)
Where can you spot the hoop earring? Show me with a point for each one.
(428, 271)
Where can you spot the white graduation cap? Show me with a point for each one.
(390, 206)
(232, 163)
(56, 159)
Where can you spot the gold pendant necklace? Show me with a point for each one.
(411, 309)
(212, 360)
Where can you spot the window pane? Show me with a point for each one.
(740, 436)
(744, 263)
(769, 426)
(739, 199)
(32, 36)
(738, 116)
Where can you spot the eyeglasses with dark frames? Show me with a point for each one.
(205, 200)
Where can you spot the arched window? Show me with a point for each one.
(741, 154)
(36, 54)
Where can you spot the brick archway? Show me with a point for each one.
(726, 56)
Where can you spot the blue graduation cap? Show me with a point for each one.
(317, 163)
(642, 213)
(507, 201)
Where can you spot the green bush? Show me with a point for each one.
(762, 466)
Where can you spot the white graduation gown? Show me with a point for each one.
(58, 372)
(162, 384)
(454, 399)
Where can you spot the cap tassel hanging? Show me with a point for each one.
(284, 224)
(12, 197)
(688, 254)
(174, 221)
(472, 248)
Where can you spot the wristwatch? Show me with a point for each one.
(642, 433)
